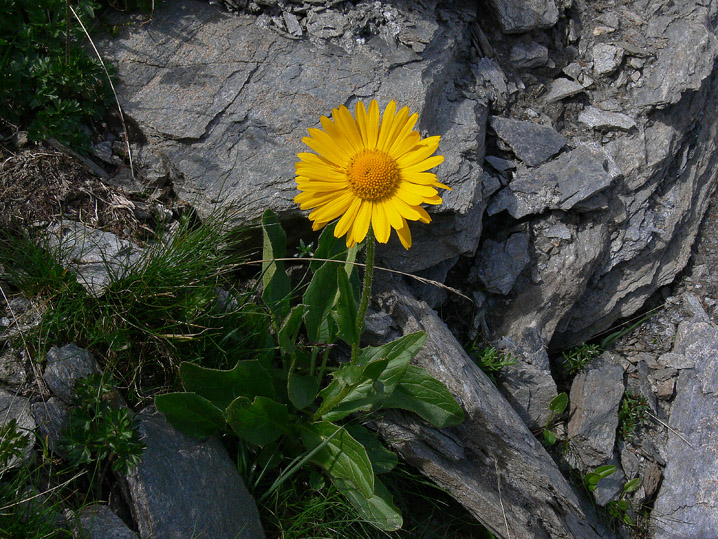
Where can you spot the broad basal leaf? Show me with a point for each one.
(190, 413)
(378, 509)
(259, 422)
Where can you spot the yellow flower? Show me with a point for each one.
(368, 171)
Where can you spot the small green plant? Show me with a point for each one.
(632, 413)
(294, 404)
(304, 251)
(577, 358)
(99, 433)
(557, 406)
(48, 83)
(489, 359)
(619, 510)
(12, 444)
(592, 478)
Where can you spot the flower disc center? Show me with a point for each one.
(372, 175)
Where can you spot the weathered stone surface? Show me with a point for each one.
(528, 55)
(93, 255)
(596, 393)
(185, 487)
(16, 407)
(51, 418)
(12, 368)
(246, 96)
(99, 522)
(528, 384)
(65, 366)
(500, 264)
(517, 16)
(561, 89)
(491, 463)
(600, 119)
(689, 508)
(532, 143)
(606, 58)
(563, 183)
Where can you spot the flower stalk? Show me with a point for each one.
(366, 292)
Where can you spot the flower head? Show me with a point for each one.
(368, 171)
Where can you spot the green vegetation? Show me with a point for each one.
(489, 359)
(577, 358)
(100, 434)
(557, 406)
(632, 413)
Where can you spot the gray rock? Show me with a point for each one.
(596, 393)
(688, 47)
(99, 522)
(563, 183)
(499, 164)
(606, 58)
(528, 384)
(248, 98)
(12, 368)
(689, 508)
(15, 407)
(601, 119)
(517, 16)
(505, 478)
(610, 488)
(185, 487)
(293, 26)
(51, 417)
(500, 264)
(528, 55)
(93, 255)
(65, 366)
(561, 89)
(676, 361)
(532, 143)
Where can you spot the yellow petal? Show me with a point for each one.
(410, 198)
(360, 117)
(337, 135)
(423, 178)
(372, 124)
(403, 133)
(329, 212)
(380, 223)
(395, 220)
(424, 217)
(431, 162)
(420, 152)
(361, 223)
(420, 190)
(406, 211)
(346, 123)
(387, 120)
(348, 218)
(404, 235)
(328, 147)
(433, 200)
(399, 121)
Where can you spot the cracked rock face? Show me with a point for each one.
(224, 103)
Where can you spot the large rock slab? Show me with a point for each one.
(185, 487)
(689, 507)
(491, 463)
(516, 16)
(224, 103)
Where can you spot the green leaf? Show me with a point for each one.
(549, 437)
(346, 310)
(302, 389)
(342, 457)
(248, 379)
(398, 353)
(290, 329)
(260, 422)
(327, 247)
(605, 470)
(424, 395)
(277, 286)
(190, 413)
(631, 485)
(319, 299)
(558, 403)
(382, 459)
(378, 509)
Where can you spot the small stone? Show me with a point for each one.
(99, 522)
(561, 89)
(500, 264)
(528, 55)
(518, 16)
(326, 24)
(103, 151)
(293, 26)
(596, 394)
(12, 368)
(499, 164)
(606, 58)
(51, 417)
(573, 70)
(600, 119)
(532, 143)
(559, 231)
(65, 366)
(666, 389)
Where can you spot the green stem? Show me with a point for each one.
(366, 292)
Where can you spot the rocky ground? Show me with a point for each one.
(580, 147)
